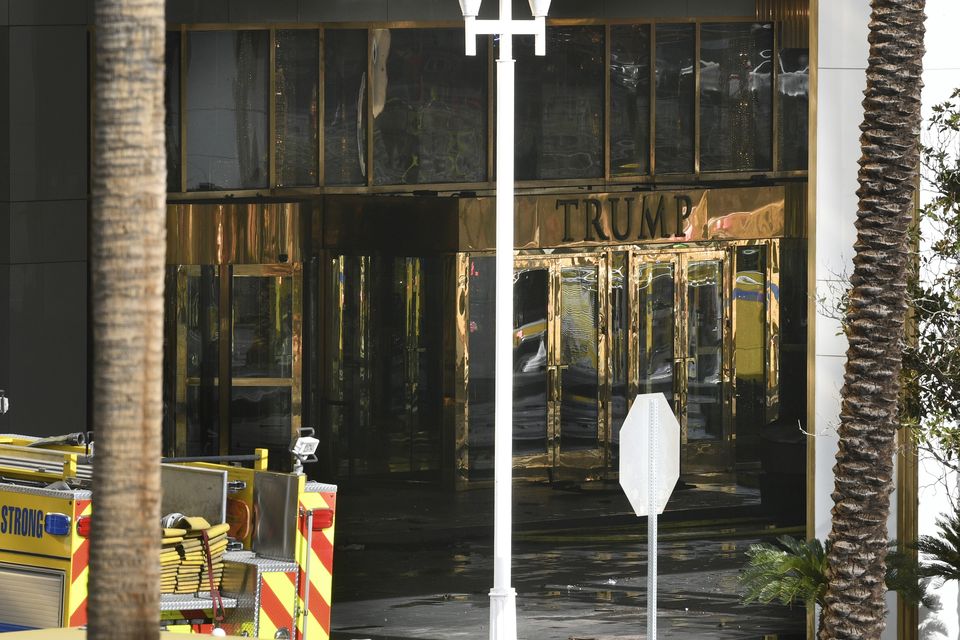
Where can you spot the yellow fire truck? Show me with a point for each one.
(277, 570)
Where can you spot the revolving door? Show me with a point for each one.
(233, 332)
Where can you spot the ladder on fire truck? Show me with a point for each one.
(40, 461)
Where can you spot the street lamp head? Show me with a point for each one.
(538, 8)
(471, 8)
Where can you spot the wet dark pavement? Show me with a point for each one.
(422, 568)
(409, 512)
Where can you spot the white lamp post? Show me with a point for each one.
(503, 597)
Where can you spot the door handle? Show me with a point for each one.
(553, 380)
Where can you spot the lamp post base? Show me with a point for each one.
(503, 614)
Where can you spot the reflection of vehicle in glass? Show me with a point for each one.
(748, 292)
(758, 78)
(530, 355)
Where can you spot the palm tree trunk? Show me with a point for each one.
(854, 603)
(127, 254)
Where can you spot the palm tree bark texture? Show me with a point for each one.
(127, 254)
(863, 475)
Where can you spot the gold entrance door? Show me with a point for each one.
(238, 359)
(558, 424)
(705, 356)
(681, 323)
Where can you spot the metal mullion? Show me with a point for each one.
(554, 390)
(183, 109)
(696, 100)
(264, 382)
(773, 359)
(681, 343)
(321, 104)
(727, 333)
(91, 116)
(775, 99)
(632, 300)
(224, 389)
(296, 371)
(604, 435)
(491, 112)
(272, 112)
(606, 102)
(462, 373)
(653, 100)
(180, 439)
(370, 126)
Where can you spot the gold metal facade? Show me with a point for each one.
(589, 220)
(403, 267)
(681, 259)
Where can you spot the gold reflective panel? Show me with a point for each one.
(262, 233)
(593, 220)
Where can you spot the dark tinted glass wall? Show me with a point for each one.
(345, 106)
(793, 84)
(297, 105)
(676, 92)
(429, 107)
(559, 106)
(227, 110)
(630, 99)
(736, 65)
(171, 97)
(681, 98)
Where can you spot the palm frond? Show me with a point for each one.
(789, 573)
(904, 576)
(795, 571)
(940, 554)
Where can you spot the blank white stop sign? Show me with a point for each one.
(650, 422)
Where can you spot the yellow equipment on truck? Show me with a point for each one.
(277, 570)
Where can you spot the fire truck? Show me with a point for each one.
(276, 572)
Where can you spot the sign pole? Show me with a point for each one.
(649, 471)
(652, 463)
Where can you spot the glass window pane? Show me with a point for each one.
(227, 87)
(750, 342)
(630, 99)
(480, 337)
(202, 417)
(202, 324)
(298, 69)
(429, 107)
(262, 327)
(260, 417)
(655, 299)
(793, 83)
(579, 380)
(171, 97)
(675, 98)
(559, 110)
(530, 361)
(704, 350)
(345, 106)
(735, 96)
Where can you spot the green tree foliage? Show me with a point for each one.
(794, 571)
(931, 356)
